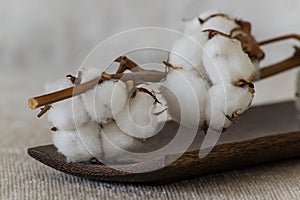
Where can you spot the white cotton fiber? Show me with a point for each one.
(191, 26)
(80, 145)
(185, 94)
(69, 113)
(106, 96)
(225, 60)
(137, 119)
(116, 143)
(88, 74)
(186, 52)
(220, 23)
(226, 100)
(100, 100)
(58, 85)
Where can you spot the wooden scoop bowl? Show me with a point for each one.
(265, 133)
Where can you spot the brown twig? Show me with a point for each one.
(276, 39)
(126, 63)
(287, 64)
(170, 66)
(284, 65)
(46, 99)
(212, 16)
(146, 76)
(44, 110)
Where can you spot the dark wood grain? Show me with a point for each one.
(264, 134)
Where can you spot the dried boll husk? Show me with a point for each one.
(186, 52)
(208, 13)
(116, 143)
(226, 101)
(67, 114)
(137, 119)
(105, 96)
(79, 145)
(185, 94)
(225, 61)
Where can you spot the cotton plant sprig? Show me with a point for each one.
(210, 74)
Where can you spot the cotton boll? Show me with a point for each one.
(220, 23)
(116, 143)
(187, 52)
(88, 74)
(225, 60)
(57, 85)
(185, 94)
(100, 100)
(191, 26)
(226, 100)
(138, 118)
(80, 145)
(69, 113)
(105, 100)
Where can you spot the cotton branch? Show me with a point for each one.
(276, 39)
(140, 75)
(287, 64)
(284, 65)
(47, 99)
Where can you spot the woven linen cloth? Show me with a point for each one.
(21, 177)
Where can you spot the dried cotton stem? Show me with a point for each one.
(287, 64)
(47, 99)
(276, 39)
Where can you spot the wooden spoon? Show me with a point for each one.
(265, 133)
